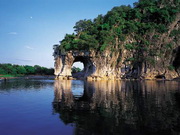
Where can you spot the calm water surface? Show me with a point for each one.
(48, 107)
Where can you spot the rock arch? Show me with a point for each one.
(96, 66)
(108, 65)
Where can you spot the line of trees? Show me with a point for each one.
(25, 70)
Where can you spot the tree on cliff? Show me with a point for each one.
(146, 16)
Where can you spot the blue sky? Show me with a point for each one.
(29, 28)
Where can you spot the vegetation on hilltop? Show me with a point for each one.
(147, 16)
(16, 70)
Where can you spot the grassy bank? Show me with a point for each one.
(9, 76)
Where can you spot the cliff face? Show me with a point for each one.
(96, 66)
(159, 59)
(130, 43)
(123, 62)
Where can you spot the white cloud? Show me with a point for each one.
(24, 59)
(31, 17)
(12, 33)
(28, 47)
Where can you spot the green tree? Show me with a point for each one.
(2, 71)
(29, 69)
(83, 25)
(21, 70)
(75, 69)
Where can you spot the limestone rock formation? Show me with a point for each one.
(139, 48)
(110, 65)
(96, 66)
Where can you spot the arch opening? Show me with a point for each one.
(86, 66)
(77, 69)
(79, 65)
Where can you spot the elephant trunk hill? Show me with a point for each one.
(139, 42)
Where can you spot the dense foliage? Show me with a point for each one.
(121, 23)
(25, 70)
(75, 69)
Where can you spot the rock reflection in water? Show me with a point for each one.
(120, 107)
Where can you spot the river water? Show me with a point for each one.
(49, 107)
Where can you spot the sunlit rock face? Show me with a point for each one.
(107, 66)
(96, 66)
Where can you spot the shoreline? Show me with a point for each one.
(29, 77)
(54, 78)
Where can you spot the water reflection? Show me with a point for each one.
(120, 107)
(25, 84)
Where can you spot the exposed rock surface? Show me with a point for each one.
(120, 63)
(96, 66)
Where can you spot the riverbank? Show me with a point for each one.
(4, 78)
